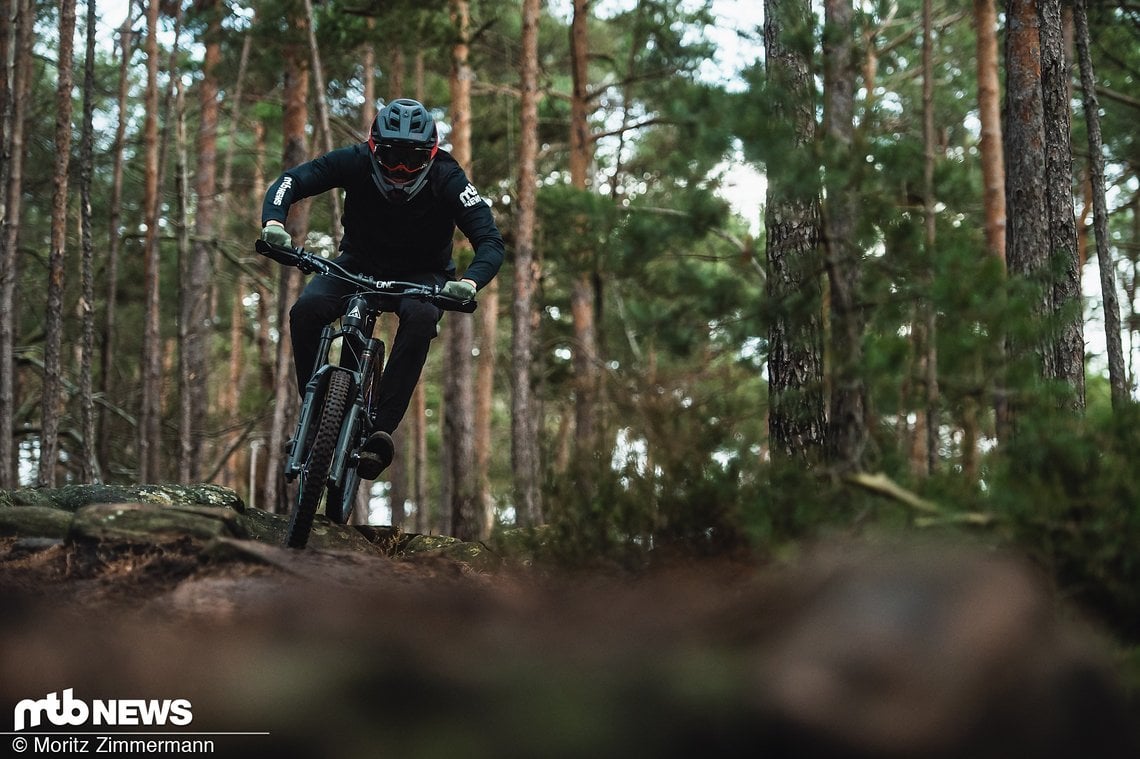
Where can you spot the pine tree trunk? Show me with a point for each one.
(12, 175)
(993, 186)
(582, 293)
(10, 12)
(285, 391)
(107, 344)
(196, 285)
(322, 110)
(88, 467)
(53, 321)
(525, 421)
(151, 363)
(396, 84)
(1041, 241)
(484, 396)
(400, 470)
(796, 422)
(923, 448)
(462, 485)
(368, 66)
(234, 461)
(989, 113)
(847, 429)
(1117, 375)
(1066, 359)
(1027, 231)
(181, 225)
(420, 463)
(403, 472)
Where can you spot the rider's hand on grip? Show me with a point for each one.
(276, 235)
(459, 289)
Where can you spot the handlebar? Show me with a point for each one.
(309, 262)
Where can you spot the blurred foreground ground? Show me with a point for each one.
(851, 651)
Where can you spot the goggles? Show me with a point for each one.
(401, 158)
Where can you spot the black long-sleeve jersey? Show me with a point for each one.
(413, 236)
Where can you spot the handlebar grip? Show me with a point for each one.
(281, 255)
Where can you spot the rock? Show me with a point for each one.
(147, 522)
(73, 497)
(34, 521)
(146, 514)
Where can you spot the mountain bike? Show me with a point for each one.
(341, 398)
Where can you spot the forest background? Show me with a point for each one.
(930, 326)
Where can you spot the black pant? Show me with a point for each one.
(325, 298)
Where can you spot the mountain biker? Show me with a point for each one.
(404, 196)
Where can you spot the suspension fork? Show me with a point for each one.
(314, 391)
(359, 323)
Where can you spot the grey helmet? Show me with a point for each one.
(404, 141)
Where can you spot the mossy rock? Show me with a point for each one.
(75, 497)
(146, 522)
(34, 522)
(475, 555)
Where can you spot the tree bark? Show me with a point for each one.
(233, 462)
(1117, 375)
(368, 76)
(12, 173)
(525, 417)
(88, 465)
(989, 113)
(1066, 357)
(181, 225)
(461, 490)
(53, 319)
(582, 294)
(322, 104)
(400, 470)
(993, 190)
(923, 449)
(797, 423)
(151, 363)
(484, 398)
(295, 151)
(847, 428)
(1027, 230)
(107, 343)
(196, 284)
(10, 12)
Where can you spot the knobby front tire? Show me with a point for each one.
(315, 472)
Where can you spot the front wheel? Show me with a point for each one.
(315, 471)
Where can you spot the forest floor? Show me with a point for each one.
(336, 653)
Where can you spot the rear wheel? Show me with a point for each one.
(315, 471)
(338, 508)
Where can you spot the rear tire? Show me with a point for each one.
(338, 506)
(315, 471)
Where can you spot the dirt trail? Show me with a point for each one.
(852, 652)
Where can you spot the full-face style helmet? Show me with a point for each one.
(403, 141)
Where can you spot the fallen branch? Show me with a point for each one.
(934, 515)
